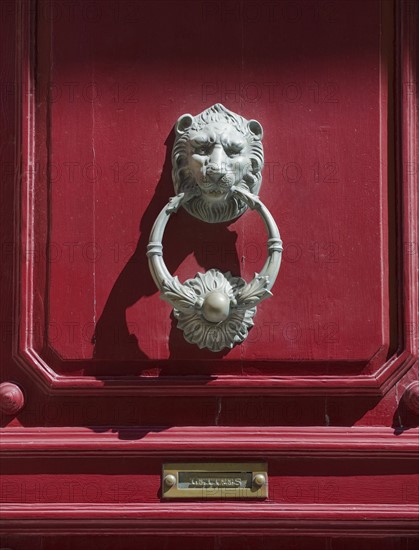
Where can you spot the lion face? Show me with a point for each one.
(218, 159)
(213, 152)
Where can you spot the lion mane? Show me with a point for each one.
(184, 180)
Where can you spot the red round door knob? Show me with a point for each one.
(411, 397)
(12, 399)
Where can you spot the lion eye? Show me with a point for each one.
(203, 150)
(233, 148)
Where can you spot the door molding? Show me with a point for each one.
(354, 447)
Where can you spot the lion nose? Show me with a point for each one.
(215, 170)
(216, 165)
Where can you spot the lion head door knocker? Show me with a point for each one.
(217, 163)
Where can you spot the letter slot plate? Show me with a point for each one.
(215, 480)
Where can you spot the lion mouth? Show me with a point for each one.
(216, 188)
(215, 194)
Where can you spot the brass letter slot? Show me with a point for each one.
(215, 480)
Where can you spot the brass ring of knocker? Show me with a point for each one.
(215, 309)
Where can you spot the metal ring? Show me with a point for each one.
(189, 298)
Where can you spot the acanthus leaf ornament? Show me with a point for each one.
(254, 292)
(217, 163)
(215, 322)
(178, 295)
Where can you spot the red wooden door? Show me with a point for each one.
(99, 387)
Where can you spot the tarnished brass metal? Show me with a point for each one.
(215, 480)
(259, 480)
(170, 480)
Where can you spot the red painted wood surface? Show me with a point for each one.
(80, 339)
(238, 542)
(321, 117)
(90, 92)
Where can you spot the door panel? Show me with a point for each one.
(109, 124)
(324, 149)
(103, 388)
(99, 173)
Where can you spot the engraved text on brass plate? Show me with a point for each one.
(215, 480)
